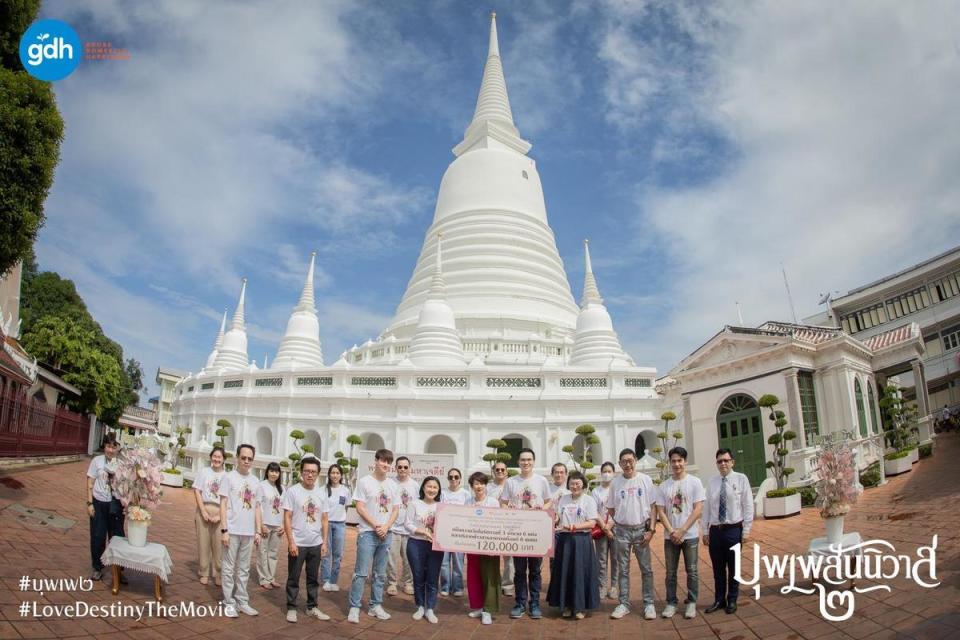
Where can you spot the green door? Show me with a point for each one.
(740, 429)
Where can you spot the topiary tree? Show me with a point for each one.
(585, 462)
(901, 419)
(176, 451)
(349, 463)
(296, 435)
(659, 452)
(496, 455)
(223, 431)
(778, 441)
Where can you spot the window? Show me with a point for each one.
(873, 407)
(864, 319)
(861, 412)
(808, 406)
(908, 303)
(951, 338)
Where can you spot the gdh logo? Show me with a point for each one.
(50, 50)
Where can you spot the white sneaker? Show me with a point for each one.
(418, 614)
(486, 618)
(444, 593)
(334, 586)
(248, 610)
(620, 611)
(316, 613)
(291, 615)
(690, 611)
(392, 590)
(408, 589)
(354, 615)
(668, 611)
(431, 616)
(649, 612)
(378, 613)
(327, 586)
(458, 594)
(475, 613)
(230, 611)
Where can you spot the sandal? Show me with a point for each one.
(266, 587)
(204, 580)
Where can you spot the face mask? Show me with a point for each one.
(606, 477)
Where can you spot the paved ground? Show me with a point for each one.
(907, 512)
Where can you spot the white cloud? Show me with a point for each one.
(842, 118)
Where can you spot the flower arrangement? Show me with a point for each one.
(137, 478)
(836, 488)
(138, 514)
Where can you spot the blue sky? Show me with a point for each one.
(698, 146)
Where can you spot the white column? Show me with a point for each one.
(793, 408)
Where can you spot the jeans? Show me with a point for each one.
(370, 550)
(330, 563)
(526, 578)
(690, 549)
(107, 520)
(625, 539)
(398, 571)
(607, 563)
(425, 568)
(236, 570)
(309, 556)
(452, 563)
(725, 585)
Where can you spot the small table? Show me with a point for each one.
(152, 558)
(848, 547)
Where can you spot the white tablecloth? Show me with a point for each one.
(820, 546)
(153, 558)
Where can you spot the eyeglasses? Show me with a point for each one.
(453, 477)
(247, 458)
(504, 470)
(403, 468)
(724, 460)
(628, 461)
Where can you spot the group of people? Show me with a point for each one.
(595, 534)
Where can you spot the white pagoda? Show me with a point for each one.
(487, 341)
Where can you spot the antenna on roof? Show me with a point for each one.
(786, 284)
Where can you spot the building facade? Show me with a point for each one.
(167, 380)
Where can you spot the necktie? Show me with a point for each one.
(723, 499)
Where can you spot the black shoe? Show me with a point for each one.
(731, 607)
(716, 606)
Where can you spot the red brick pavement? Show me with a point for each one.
(908, 511)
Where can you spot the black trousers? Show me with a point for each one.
(725, 585)
(309, 556)
(107, 520)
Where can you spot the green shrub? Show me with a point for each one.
(173, 471)
(808, 496)
(871, 475)
(187, 483)
(926, 450)
(781, 493)
(896, 455)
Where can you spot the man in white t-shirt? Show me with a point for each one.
(306, 523)
(494, 490)
(527, 491)
(632, 505)
(558, 488)
(681, 502)
(378, 506)
(398, 568)
(240, 526)
(104, 509)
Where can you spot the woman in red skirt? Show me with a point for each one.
(483, 572)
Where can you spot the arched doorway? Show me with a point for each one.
(595, 454)
(264, 441)
(312, 438)
(645, 441)
(861, 410)
(440, 444)
(372, 442)
(740, 429)
(515, 442)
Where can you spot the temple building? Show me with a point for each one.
(487, 341)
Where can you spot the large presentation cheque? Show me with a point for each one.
(493, 532)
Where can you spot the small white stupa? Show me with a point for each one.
(595, 341)
(232, 355)
(436, 341)
(300, 346)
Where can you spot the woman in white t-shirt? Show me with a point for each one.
(451, 575)
(424, 561)
(206, 492)
(483, 572)
(574, 586)
(271, 505)
(606, 558)
(338, 495)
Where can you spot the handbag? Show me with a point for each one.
(597, 532)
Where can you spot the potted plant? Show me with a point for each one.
(783, 501)
(836, 486)
(136, 483)
(900, 423)
(171, 476)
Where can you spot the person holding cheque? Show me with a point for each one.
(574, 584)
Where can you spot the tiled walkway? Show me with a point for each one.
(907, 512)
